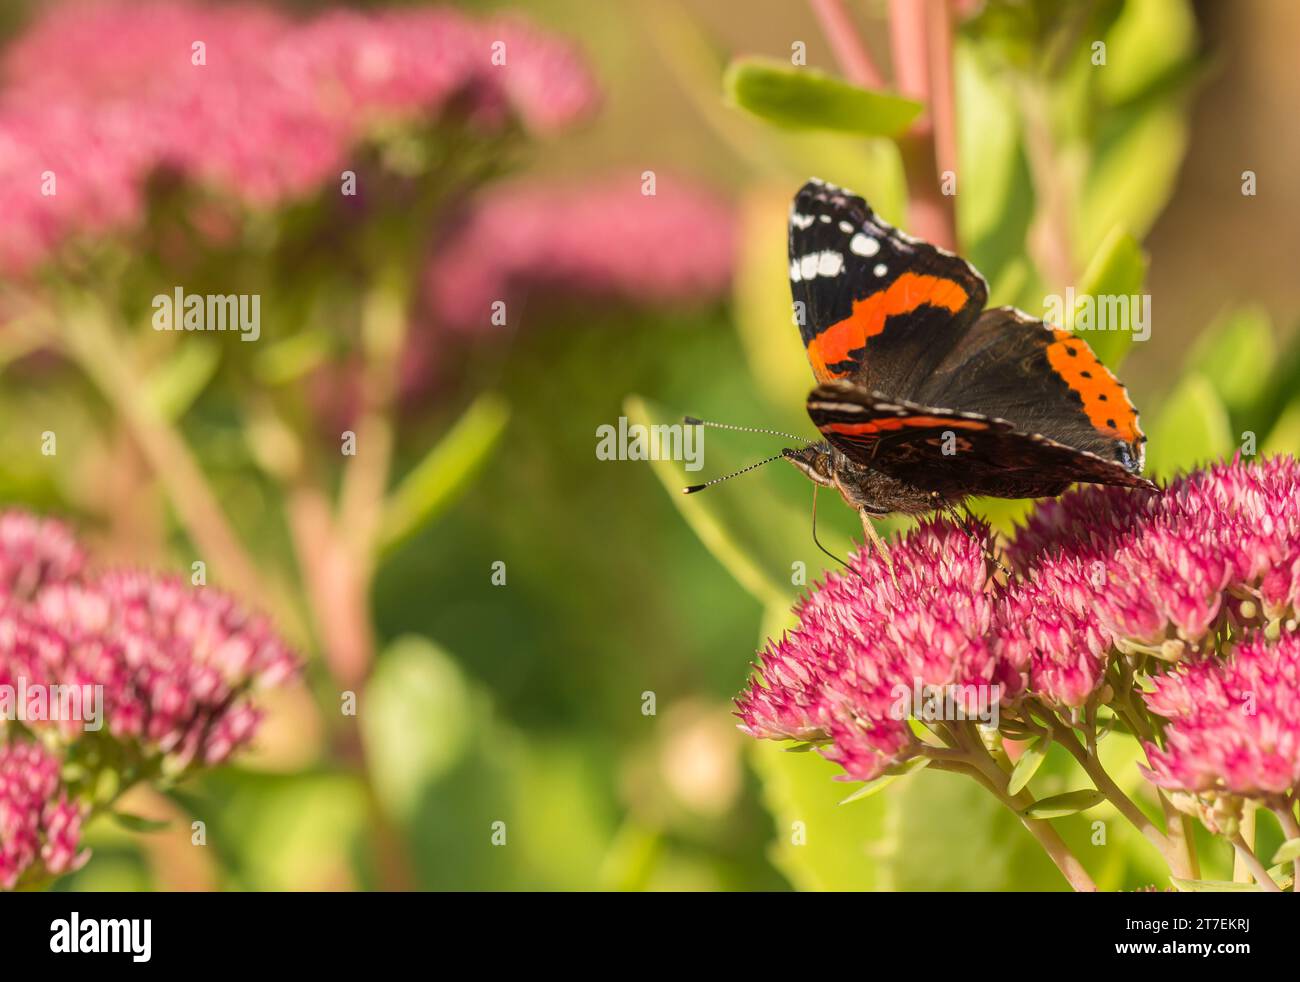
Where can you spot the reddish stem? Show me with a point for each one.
(850, 51)
(921, 40)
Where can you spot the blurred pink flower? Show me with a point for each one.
(863, 640)
(35, 552)
(39, 827)
(104, 93)
(177, 664)
(604, 240)
(1234, 723)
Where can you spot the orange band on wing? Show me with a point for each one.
(1104, 399)
(902, 422)
(905, 294)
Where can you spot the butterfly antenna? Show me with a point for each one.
(692, 421)
(727, 477)
(823, 548)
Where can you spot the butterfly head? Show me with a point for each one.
(862, 488)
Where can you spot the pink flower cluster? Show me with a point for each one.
(177, 664)
(35, 552)
(605, 239)
(864, 634)
(1234, 723)
(1163, 573)
(99, 95)
(1179, 578)
(39, 827)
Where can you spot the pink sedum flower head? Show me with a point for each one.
(35, 552)
(242, 100)
(861, 641)
(1175, 576)
(177, 664)
(40, 828)
(1161, 574)
(604, 239)
(1234, 723)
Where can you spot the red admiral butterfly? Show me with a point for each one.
(924, 397)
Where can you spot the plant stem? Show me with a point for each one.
(1291, 829)
(336, 546)
(99, 353)
(986, 770)
(850, 51)
(1241, 871)
(1248, 858)
(921, 41)
(1178, 862)
(1179, 828)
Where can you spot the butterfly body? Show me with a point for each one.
(923, 396)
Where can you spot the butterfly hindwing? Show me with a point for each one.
(953, 452)
(874, 305)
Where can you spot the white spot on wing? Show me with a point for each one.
(846, 227)
(794, 271)
(829, 263)
(881, 269)
(863, 245)
(808, 266)
(801, 221)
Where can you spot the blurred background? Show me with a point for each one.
(550, 641)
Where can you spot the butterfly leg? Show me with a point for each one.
(989, 557)
(870, 529)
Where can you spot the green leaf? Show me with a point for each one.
(721, 534)
(1284, 437)
(1212, 886)
(416, 717)
(1060, 805)
(803, 748)
(880, 783)
(444, 472)
(173, 387)
(1192, 428)
(902, 840)
(804, 98)
(1287, 851)
(1148, 40)
(1117, 269)
(1118, 191)
(1283, 875)
(993, 189)
(1232, 353)
(1027, 766)
(819, 845)
(1277, 397)
(286, 361)
(137, 823)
